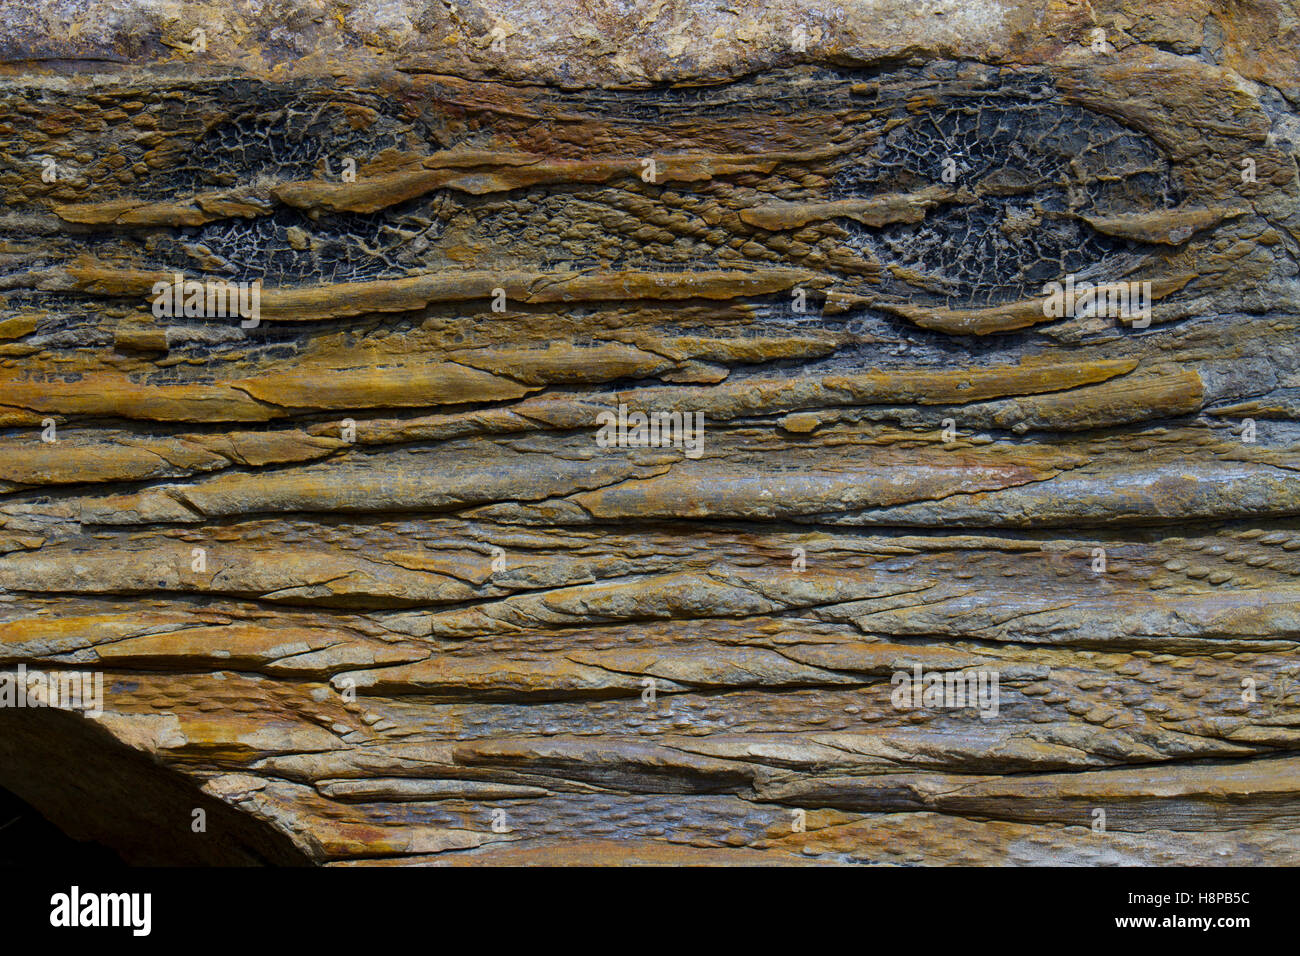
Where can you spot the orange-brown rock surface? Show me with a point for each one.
(364, 583)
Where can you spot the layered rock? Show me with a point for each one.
(366, 584)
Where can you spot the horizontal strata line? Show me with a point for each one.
(315, 303)
(1106, 526)
(440, 396)
(470, 171)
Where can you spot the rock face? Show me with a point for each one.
(930, 562)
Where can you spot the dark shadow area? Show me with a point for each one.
(91, 786)
(26, 837)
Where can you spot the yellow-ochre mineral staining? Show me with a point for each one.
(954, 495)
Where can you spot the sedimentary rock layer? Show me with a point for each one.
(365, 582)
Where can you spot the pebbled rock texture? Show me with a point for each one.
(365, 586)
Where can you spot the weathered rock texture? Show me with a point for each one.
(434, 640)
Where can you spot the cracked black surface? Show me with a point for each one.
(1034, 165)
